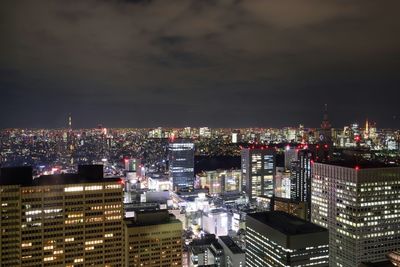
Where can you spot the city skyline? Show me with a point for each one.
(69, 124)
(218, 63)
(226, 133)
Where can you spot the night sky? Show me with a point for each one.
(226, 63)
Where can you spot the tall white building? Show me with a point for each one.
(360, 205)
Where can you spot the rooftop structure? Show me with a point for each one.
(279, 239)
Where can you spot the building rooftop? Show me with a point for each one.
(23, 176)
(360, 164)
(231, 245)
(151, 217)
(207, 240)
(286, 223)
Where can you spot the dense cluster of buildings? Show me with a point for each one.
(320, 198)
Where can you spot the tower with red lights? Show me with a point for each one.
(323, 148)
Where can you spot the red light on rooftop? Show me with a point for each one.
(326, 146)
(357, 168)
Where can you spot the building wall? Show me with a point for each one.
(361, 209)
(233, 259)
(181, 164)
(61, 225)
(154, 245)
(266, 246)
(298, 209)
(258, 172)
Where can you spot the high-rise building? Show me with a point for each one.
(258, 171)
(199, 251)
(360, 205)
(216, 222)
(293, 207)
(153, 238)
(60, 220)
(181, 163)
(221, 181)
(234, 256)
(300, 178)
(290, 156)
(279, 239)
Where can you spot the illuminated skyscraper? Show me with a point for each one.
(291, 155)
(153, 238)
(181, 163)
(278, 239)
(258, 171)
(63, 220)
(360, 205)
(300, 178)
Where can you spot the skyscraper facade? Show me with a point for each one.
(153, 238)
(360, 205)
(181, 163)
(300, 178)
(64, 220)
(258, 171)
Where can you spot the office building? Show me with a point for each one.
(221, 181)
(360, 205)
(132, 165)
(300, 178)
(258, 171)
(216, 222)
(60, 220)
(233, 255)
(199, 251)
(215, 255)
(181, 163)
(290, 156)
(279, 239)
(153, 238)
(293, 207)
(282, 182)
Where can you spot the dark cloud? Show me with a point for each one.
(188, 62)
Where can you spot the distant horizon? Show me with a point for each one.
(361, 125)
(230, 64)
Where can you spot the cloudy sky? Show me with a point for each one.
(220, 63)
